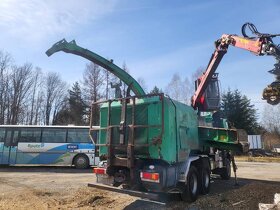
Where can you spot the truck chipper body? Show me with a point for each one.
(150, 143)
(159, 145)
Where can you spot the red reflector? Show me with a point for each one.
(146, 175)
(99, 170)
(154, 177)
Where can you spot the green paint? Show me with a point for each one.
(73, 48)
(181, 131)
(180, 128)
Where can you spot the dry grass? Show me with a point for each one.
(258, 159)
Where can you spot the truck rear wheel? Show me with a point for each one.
(226, 171)
(190, 192)
(205, 179)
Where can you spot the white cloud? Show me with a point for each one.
(36, 20)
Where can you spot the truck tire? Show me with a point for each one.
(81, 162)
(226, 171)
(205, 179)
(190, 191)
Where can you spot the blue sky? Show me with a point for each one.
(155, 38)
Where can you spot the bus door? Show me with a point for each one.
(10, 146)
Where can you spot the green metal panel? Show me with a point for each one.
(168, 148)
(180, 128)
(217, 134)
(181, 133)
(187, 124)
(220, 138)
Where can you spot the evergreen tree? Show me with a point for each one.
(239, 111)
(73, 110)
(155, 90)
(76, 105)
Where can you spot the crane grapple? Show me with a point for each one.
(260, 45)
(272, 92)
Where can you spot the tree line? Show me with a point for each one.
(27, 95)
(31, 97)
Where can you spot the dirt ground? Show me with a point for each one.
(66, 188)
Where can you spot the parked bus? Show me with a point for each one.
(55, 145)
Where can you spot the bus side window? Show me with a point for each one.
(94, 135)
(78, 136)
(30, 135)
(2, 134)
(12, 137)
(54, 135)
(16, 137)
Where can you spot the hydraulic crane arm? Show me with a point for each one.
(72, 47)
(261, 45)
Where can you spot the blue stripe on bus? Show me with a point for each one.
(73, 147)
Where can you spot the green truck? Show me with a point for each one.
(152, 144)
(155, 144)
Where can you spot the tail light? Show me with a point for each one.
(150, 177)
(99, 171)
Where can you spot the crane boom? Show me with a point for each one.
(261, 45)
(72, 47)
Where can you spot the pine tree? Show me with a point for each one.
(155, 90)
(239, 111)
(73, 110)
(76, 105)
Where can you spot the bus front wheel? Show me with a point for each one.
(81, 162)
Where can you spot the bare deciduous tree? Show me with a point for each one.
(5, 62)
(142, 83)
(37, 74)
(55, 90)
(21, 82)
(93, 81)
(271, 119)
(26, 96)
(179, 89)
